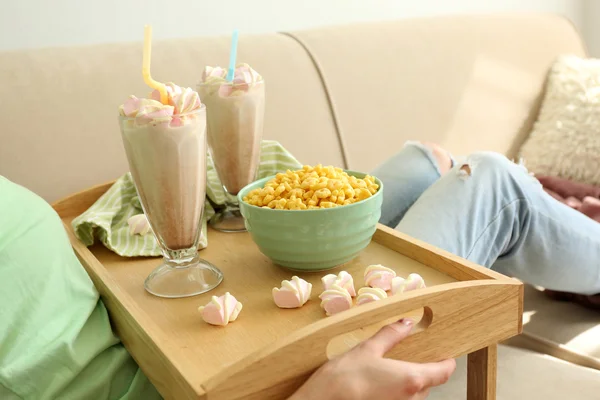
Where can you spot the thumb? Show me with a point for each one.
(387, 337)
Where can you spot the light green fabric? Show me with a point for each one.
(106, 219)
(56, 340)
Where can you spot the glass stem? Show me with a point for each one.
(181, 258)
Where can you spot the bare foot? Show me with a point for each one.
(441, 156)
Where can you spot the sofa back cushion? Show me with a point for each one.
(468, 83)
(58, 120)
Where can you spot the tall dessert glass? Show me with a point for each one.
(167, 159)
(235, 114)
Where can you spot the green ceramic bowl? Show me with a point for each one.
(312, 240)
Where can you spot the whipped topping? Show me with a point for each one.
(214, 75)
(369, 294)
(412, 282)
(183, 100)
(293, 294)
(335, 299)
(244, 78)
(146, 111)
(221, 310)
(152, 111)
(343, 279)
(138, 224)
(378, 276)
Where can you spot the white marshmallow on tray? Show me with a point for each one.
(343, 279)
(378, 276)
(292, 294)
(221, 310)
(138, 224)
(335, 299)
(369, 294)
(412, 282)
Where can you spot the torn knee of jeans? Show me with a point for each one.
(521, 164)
(465, 170)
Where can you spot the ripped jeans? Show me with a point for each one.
(491, 212)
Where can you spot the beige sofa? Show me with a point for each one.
(349, 96)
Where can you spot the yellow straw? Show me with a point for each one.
(146, 66)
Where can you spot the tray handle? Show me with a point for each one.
(275, 372)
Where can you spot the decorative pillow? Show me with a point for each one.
(565, 141)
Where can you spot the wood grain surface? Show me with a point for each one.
(481, 374)
(186, 358)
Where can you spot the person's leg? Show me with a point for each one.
(406, 175)
(492, 212)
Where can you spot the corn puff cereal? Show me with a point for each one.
(312, 188)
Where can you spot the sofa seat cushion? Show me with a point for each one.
(564, 323)
(525, 375)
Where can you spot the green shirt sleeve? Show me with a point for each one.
(56, 340)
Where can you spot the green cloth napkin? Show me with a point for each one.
(106, 219)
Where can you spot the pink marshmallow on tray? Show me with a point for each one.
(138, 225)
(221, 310)
(292, 294)
(412, 282)
(335, 300)
(378, 276)
(343, 279)
(369, 294)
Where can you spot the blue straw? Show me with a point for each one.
(232, 56)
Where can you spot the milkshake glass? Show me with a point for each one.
(235, 115)
(167, 160)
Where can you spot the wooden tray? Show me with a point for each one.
(268, 352)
